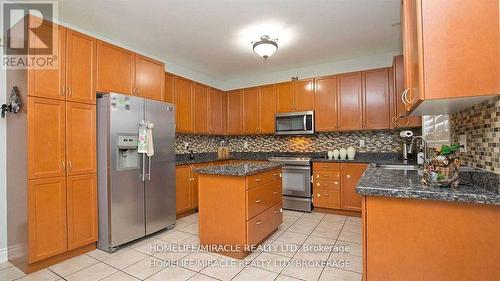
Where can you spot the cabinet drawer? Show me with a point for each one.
(326, 175)
(263, 197)
(326, 198)
(323, 184)
(262, 225)
(319, 166)
(262, 178)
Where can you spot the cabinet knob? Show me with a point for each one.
(317, 184)
(258, 201)
(275, 193)
(258, 223)
(348, 176)
(276, 211)
(257, 179)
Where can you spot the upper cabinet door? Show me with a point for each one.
(267, 109)
(47, 218)
(376, 99)
(169, 95)
(350, 101)
(201, 111)
(234, 112)
(411, 23)
(251, 111)
(81, 67)
(285, 97)
(184, 104)
(304, 95)
(82, 210)
(80, 138)
(46, 138)
(149, 78)
(48, 83)
(216, 112)
(325, 104)
(398, 88)
(115, 69)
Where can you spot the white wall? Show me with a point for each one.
(363, 63)
(3, 170)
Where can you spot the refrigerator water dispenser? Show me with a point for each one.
(127, 152)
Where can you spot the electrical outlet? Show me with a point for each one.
(245, 145)
(463, 141)
(361, 143)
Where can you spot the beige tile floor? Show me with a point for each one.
(297, 251)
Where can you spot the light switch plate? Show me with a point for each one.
(361, 143)
(463, 141)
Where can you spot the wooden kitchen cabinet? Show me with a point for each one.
(115, 69)
(349, 92)
(399, 118)
(450, 52)
(48, 83)
(216, 112)
(376, 99)
(326, 198)
(251, 106)
(267, 108)
(234, 112)
(285, 97)
(149, 78)
(81, 67)
(184, 104)
(183, 196)
(80, 139)
(304, 94)
(82, 210)
(325, 104)
(47, 218)
(169, 95)
(200, 110)
(46, 138)
(351, 173)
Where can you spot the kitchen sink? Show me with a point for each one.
(399, 167)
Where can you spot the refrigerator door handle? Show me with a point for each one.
(143, 175)
(149, 168)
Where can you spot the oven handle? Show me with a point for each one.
(296, 168)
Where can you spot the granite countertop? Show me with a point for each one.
(363, 157)
(238, 169)
(476, 186)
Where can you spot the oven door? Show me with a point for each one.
(297, 181)
(295, 123)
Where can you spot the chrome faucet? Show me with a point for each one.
(424, 143)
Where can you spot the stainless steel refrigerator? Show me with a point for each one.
(136, 193)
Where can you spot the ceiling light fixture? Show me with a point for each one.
(265, 47)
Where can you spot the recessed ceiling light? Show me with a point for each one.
(265, 47)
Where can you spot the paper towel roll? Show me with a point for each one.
(406, 134)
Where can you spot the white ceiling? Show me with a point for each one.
(213, 37)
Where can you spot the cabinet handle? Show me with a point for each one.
(276, 211)
(69, 92)
(63, 91)
(335, 182)
(325, 194)
(257, 179)
(69, 165)
(275, 193)
(317, 184)
(348, 176)
(325, 166)
(63, 165)
(258, 201)
(317, 176)
(258, 223)
(319, 195)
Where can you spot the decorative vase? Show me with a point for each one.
(330, 154)
(343, 153)
(351, 152)
(442, 171)
(336, 154)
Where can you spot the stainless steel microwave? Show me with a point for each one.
(295, 123)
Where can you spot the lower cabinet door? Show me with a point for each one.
(264, 224)
(82, 210)
(47, 220)
(326, 198)
(351, 173)
(182, 189)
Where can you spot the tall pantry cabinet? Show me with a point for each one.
(52, 189)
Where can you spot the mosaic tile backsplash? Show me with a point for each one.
(481, 124)
(375, 141)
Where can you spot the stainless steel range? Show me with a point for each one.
(296, 182)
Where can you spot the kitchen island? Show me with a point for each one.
(415, 232)
(239, 206)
